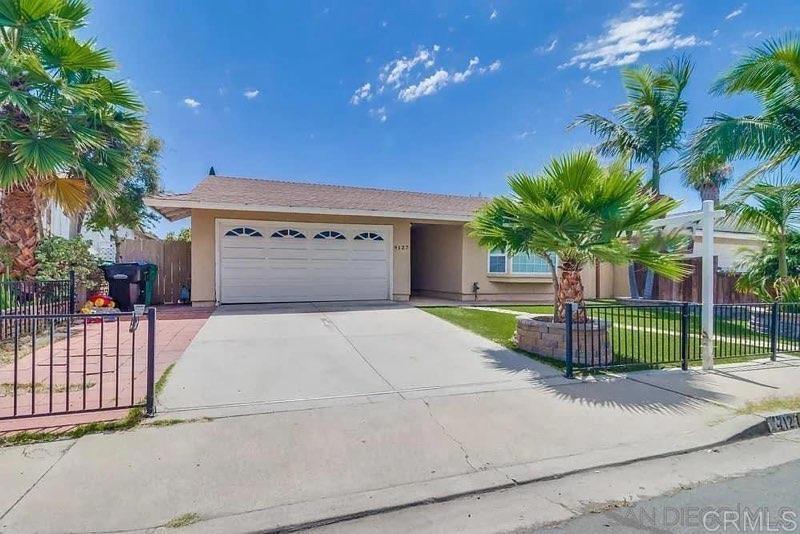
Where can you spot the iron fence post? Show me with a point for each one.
(151, 362)
(568, 341)
(685, 336)
(773, 332)
(71, 292)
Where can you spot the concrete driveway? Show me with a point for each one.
(257, 358)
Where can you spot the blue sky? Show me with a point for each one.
(432, 96)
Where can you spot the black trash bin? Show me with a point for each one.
(126, 283)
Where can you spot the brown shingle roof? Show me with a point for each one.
(261, 194)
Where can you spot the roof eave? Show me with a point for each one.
(174, 209)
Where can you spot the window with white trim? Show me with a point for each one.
(243, 231)
(521, 264)
(497, 261)
(529, 264)
(368, 236)
(330, 234)
(288, 233)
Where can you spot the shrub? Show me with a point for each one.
(58, 256)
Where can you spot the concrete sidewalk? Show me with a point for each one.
(260, 471)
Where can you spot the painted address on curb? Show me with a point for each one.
(783, 422)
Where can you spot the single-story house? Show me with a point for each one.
(276, 241)
(259, 240)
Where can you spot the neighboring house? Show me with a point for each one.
(275, 241)
(55, 222)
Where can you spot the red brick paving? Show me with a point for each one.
(123, 374)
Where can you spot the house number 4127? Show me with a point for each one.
(401, 247)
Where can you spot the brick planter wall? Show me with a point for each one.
(591, 344)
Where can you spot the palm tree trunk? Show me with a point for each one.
(554, 276)
(570, 289)
(783, 268)
(19, 230)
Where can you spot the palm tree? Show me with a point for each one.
(581, 212)
(646, 127)
(771, 73)
(65, 128)
(707, 175)
(774, 211)
(650, 124)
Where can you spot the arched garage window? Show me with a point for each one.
(243, 231)
(288, 233)
(368, 236)
(330, 234)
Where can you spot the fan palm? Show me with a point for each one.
(707, 175)
(771, 73)
(581, 212)
(65, 128)
(774, 211)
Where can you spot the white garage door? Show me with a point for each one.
(292, 262)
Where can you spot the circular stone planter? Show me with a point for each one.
(591, 344)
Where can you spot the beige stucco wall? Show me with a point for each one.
(204, 252)
(436, 251)
(498, 288)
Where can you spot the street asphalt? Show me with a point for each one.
(762, 501)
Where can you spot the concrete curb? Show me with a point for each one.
(756, 430)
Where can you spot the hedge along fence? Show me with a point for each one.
(174, 261)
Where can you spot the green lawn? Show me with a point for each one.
(640, 338)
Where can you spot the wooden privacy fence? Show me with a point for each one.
(174, 261)
(690, 288)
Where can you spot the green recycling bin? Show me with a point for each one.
(151, 272)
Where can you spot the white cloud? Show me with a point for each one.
(251, 93)
(638, 4)
(441, 78)
(429, 86)
(493, 15)
(396, 71)
(548, 48)
(525, 134)
(362, 93)
(493, 66)
(626, 39)
(191, 103)
(459, 77)
(736, 12)
(588, 80)
(379, 113)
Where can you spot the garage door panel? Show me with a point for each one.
(267, 269)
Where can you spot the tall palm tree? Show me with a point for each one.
(65, 127)
(650, 123)
(774, 211)
(771, 73)
(581, 212)
(707, 175)
(646, 127)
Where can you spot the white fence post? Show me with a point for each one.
(708, 285)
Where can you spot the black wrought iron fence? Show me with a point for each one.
(28, 298)
(658, 335)
(69, 363)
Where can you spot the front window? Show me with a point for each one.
(529, 264)
(522, 264)
(497, 262)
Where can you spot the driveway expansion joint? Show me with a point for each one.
(39, 479)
